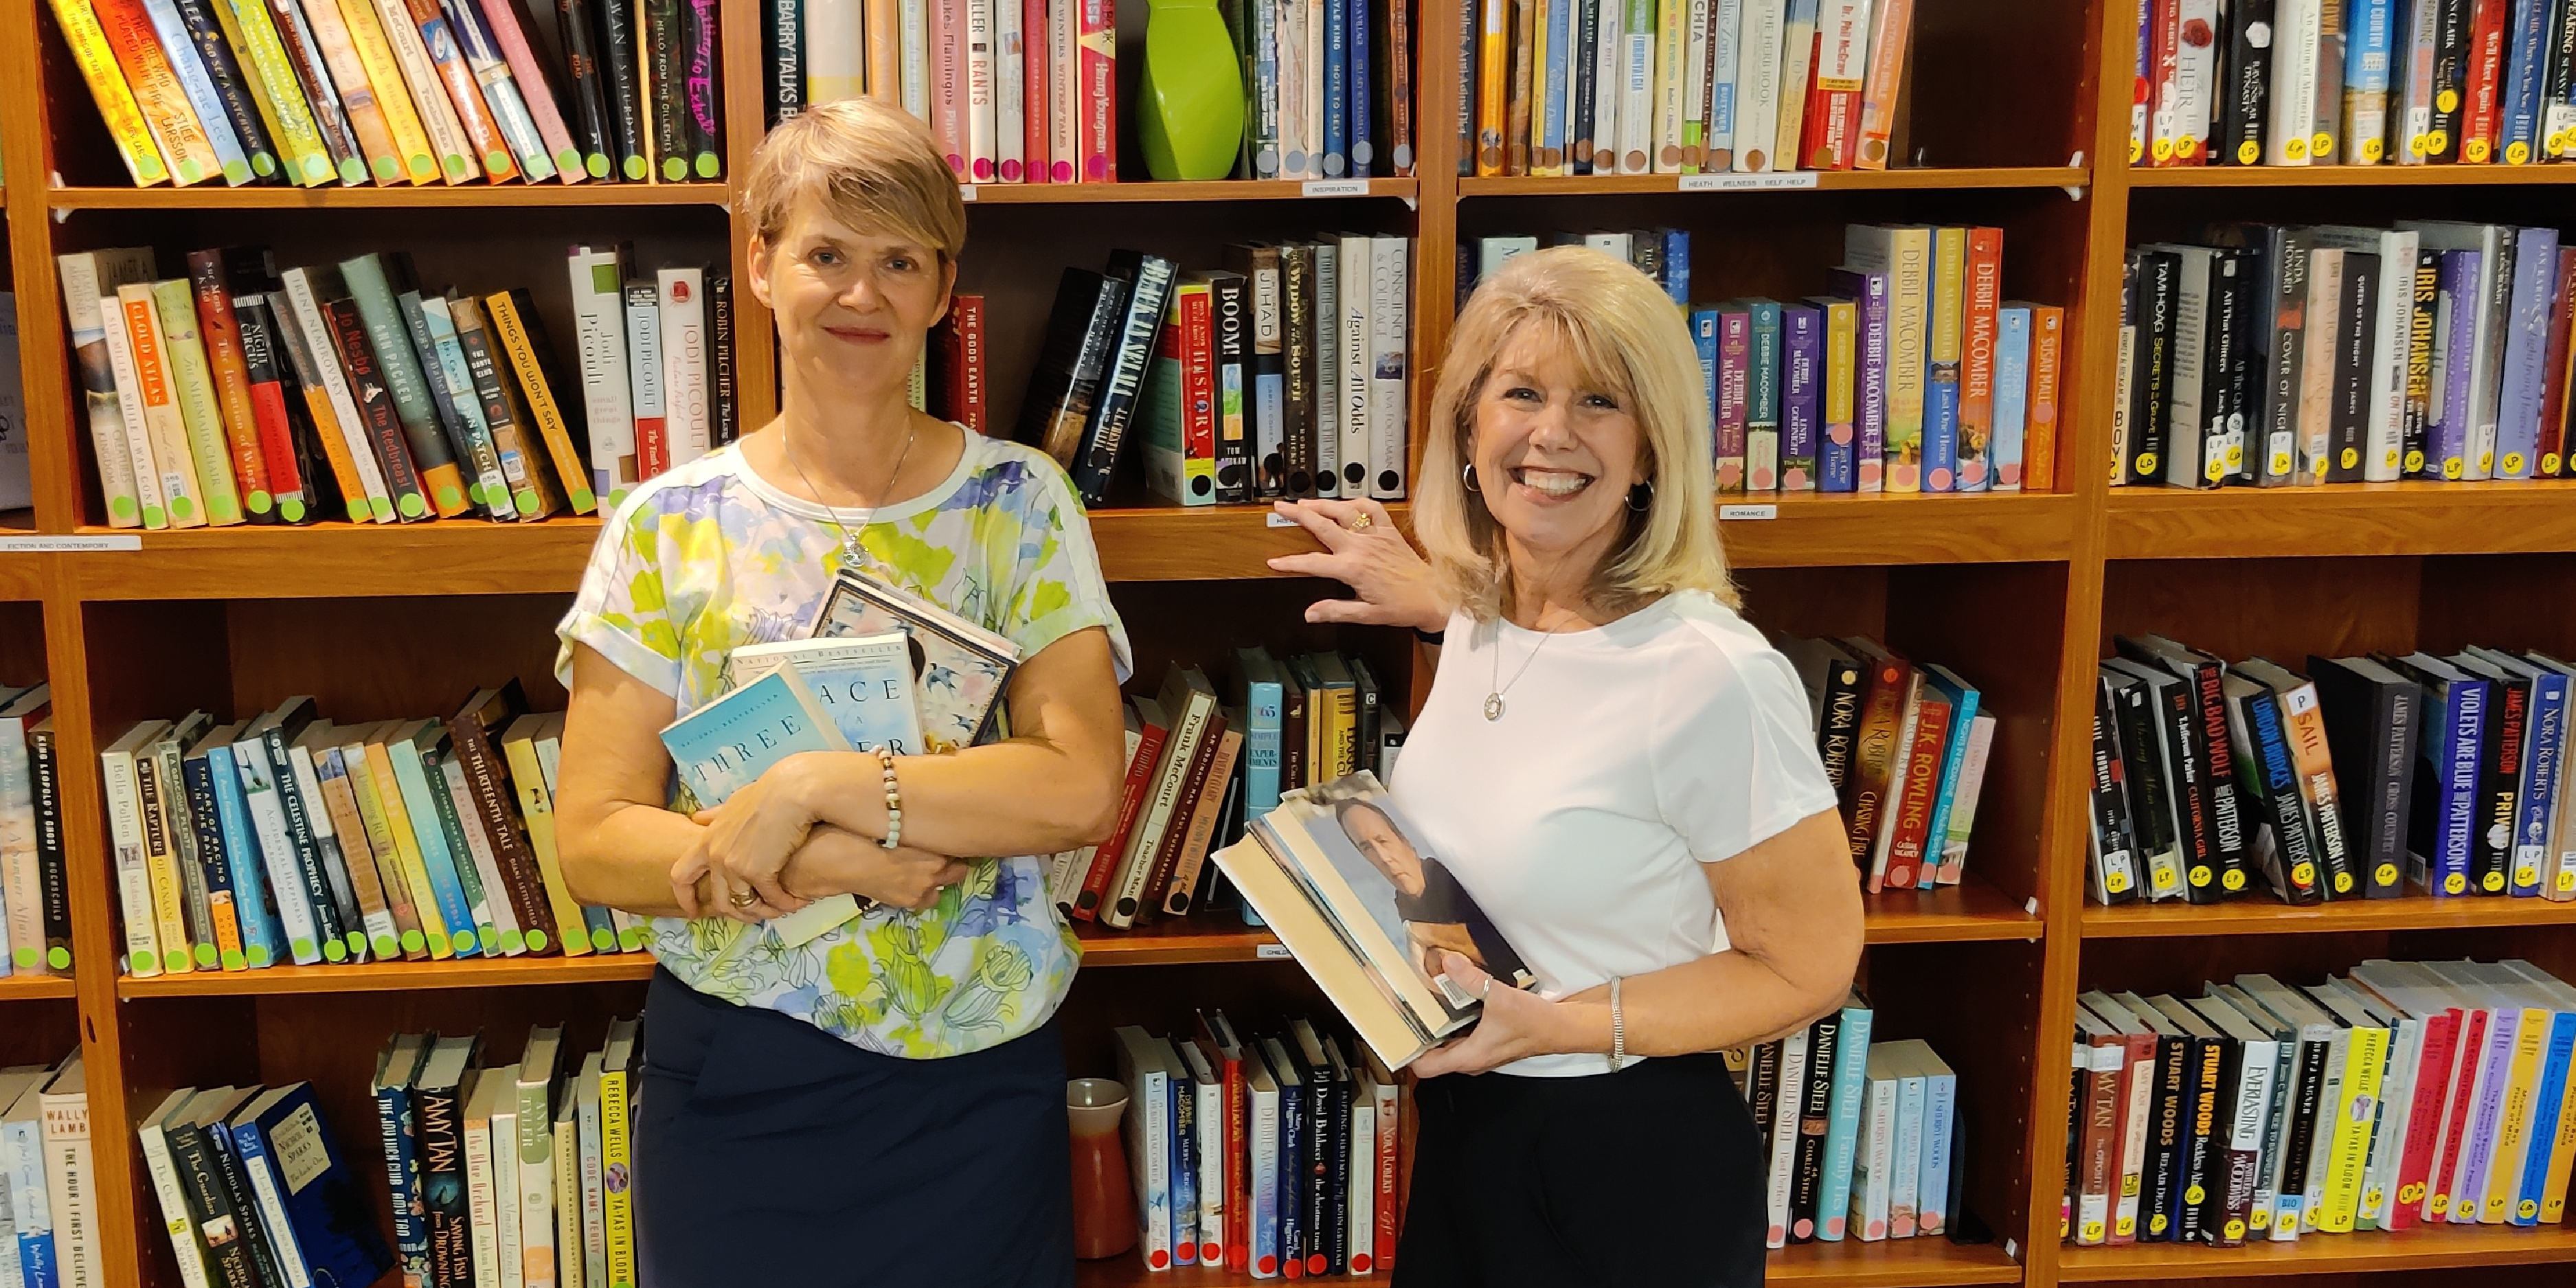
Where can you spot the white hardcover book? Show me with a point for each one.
(1358, 300)
(1940, 1109)
(1328, 367)
(306, 310)
(2420, 44)
(503, 1144)
(1726, 59)
(2196, 80)
(70, 1177)
(1610, 39)
(1797, 65)
(644, 375)
(22, 1157)
(836, 51)
(2184, 425)
(1010, 93)
(125, 833)
(2396, 1104)
(979, 89)
(1207, 1123)
(2494, 244)
(1296, 147)
(1666, 48)
(533, 1149)
(456, 154)
(1261, 1136)
(2294, 82)
(913, 19)
(1390, 285)
(124, 448)
(1363, 1197)
(2391, 337)
(483, 1220)
(1905, 1162)
(153, 1136)
(2316, 372)
(497, 920)
(1870, 1192)
(686, 425)
(1695, 69)
(1757, 84)
(1636, 82)
(599, 329)
(1149, 1138)
(1784, 1139)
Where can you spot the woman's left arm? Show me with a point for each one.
(1793, 923)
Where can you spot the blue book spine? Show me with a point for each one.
(2526, 65)
(2369, 30)
(1703, 330)
(1842, 1122)
(2544, 1118)
(334, 1250)
(1261, 749)
(213, 861)
(1762, 401)
(1292, 1174)
(1801, 395)
(1184, 1155)
(199, 86)
(32, 1250)
(1726, 19)
(1676, 264)
(1337, 91)
(1551, 122)
(1932, 1189)
(2526, 352)
(2012, 397)
(2465, 706)
(2544, 749)
(260, 932)
(36, 1259)
(1363, 141)
(453, 907)
(1963, 714)
(402, 1180)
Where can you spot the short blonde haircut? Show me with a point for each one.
(871, 164)
(1626, 340)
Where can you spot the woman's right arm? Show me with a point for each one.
(619, 845)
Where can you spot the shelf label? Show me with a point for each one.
(1748, 512)
(965, 192)
(1749, 182)
(62, 545)
(1337, 187)
(1270, 952)
(1277, 520)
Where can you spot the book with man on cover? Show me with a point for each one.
(1338, 875)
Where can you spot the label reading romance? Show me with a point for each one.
(1748, 512)
(1749, 182)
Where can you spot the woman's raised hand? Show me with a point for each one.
(1363, 550)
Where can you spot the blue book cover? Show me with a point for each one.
(2448, 780)
(213, 864)
(296, 1171)
(1869, 292)
(1717, 138)
(725, 745)
(1363, 144)
(1337, 91)
(32, 1250)
(1963, 718)
(1676, 263)
(396, 1066)
(1703, 331)
(2526, 64)
(1842, 1120)
(1183, 1117)
(411, 781)
(2526, 352)
(1548, 131)
(865, 684)
(2544, 750)
(2545, 1109)
(1264, 704)
(256, 775)
(2012, 396)
(260, 933)
(1802, 328)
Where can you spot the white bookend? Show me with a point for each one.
(685, 425)
(1356, 265)
(125, 833)
(1390, 288)
(1757, 85)
(599, 327)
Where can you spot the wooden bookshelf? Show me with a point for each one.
(2013, 111)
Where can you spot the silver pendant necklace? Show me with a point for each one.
(1494, 695)
(853, 555)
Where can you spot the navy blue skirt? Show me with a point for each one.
(771, 1152)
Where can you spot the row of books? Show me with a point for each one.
(656, 365)
(1860, 1138)
(2362, 777)
(1570, 87)
(1282, 374)
(2397, 1096)
(1274, 1154)
(2266, 355)
(49, 1221)
(318, 92)
(254, 1190)
(35, 901)
(1911, 373)
(1026, 91)
(289, 838)
(1905, 748)
(2353, 82)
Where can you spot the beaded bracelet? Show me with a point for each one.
(894, 801)
(1618, 1029)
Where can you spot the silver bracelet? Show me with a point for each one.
(1618, 1029)
(894, 801)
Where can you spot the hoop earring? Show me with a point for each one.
(1468, 477)
(1641, 497)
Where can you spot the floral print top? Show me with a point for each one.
(709, 556)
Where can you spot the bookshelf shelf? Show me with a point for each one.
(2262, 917)
(1895, 1263)
(1963, 913)
(1819, 530)
(479, 972)
(370, 197)
(2348, 176)
(1823, 181)
(2358, 1253)
(25, 988)
(2413, 517)
(1088, 194)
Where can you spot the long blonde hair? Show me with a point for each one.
(1626, 340)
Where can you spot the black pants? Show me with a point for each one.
(1651, 1176)
(769, 1152)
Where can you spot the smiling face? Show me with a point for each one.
(1555, 454)
(853, 308)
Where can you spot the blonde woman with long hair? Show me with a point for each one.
(1620, 772)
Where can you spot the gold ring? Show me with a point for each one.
(744, 899)
(1363, 523)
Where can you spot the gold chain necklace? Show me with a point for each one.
(852, 554)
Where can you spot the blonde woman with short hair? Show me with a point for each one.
(884, 1104)
(1620, 772)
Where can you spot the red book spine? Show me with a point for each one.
(1398, 53)
(2455, 1119)
(1390, 1143)
(2140, 1066)
(1033, 90)
(222, 332)
(1922, 788)
(1097, 96)
(2424, 1123)
(2480, 124)
(2164, 29)
(1238, 1181)
(968, 311)
(1198, 378)
(1104, 860)
(2554, 375)
(1985, 283)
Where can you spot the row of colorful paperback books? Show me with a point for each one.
(287, 838)
(2353, 82)
(2266, 354)
(48, 1182)
(1861, 1138)
(35, 902)
(1905, 748)
(2396, 1096)
(320, 92)
(1572, 87)
(2360, 778)
(1910, 373)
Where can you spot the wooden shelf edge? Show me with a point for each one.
(1146, 190)
(1825, 181)
(1893, 1263)
(2360, 1252)
(2346, 176)
(370, 197)
(15, 988)
(394, 976)
(2412, 517)
(2263, 917)
(1809, 530)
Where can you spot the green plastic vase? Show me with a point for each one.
(1190, 121)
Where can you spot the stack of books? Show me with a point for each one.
(1905, 748)
(1569, 87)
(48, 1175)
(35, 903)
(253, 1189)
(287, 838)
(1274, 1155)
(2361, 778)
(314, 93)
(1860, 1139)
(2353, 82)
(1026, 91)
(1281, 375)
(2403, 1094)
(1911, 373)
(2275, 354)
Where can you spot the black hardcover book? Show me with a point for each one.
(1815, 1115)
(2307, 1102)
(375, 405)
(438, 1106)
(255, 1230)
(1081, 332)
(2450, 77)
(2187, 769)
(1230, 313)
(2159, 291)
(1582, 57)
(2222, 371)
(2205, 1068)
(2142, 768)
(1762, 1088)
(2424, 313)
(54, 892)
(2499, 772)
(2286, 258)
(2435, 859)
(2356, 314)
(2372, 715)
(1265, 381)
(624, 82)
(1297, 367)
(666, 110)
(1364, 688)
(2204, 676)
(1834, 692)
(786, 22)
(1324, 1099)
(2558, 68)
(2113, 874)
(701, 88)
(1296, 1105)
(586, 87)
(231, 91)
(1149, 280)
(720, 323)
(2245, 99)
(222, 1228)
(2286, 850)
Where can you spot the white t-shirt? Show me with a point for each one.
(1626, 756)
